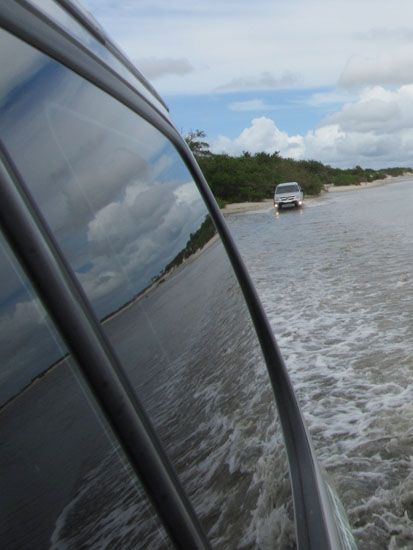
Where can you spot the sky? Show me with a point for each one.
(311, 79)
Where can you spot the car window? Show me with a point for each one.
(51, 9)
(64, 481)
(130, 220)
(287, 189)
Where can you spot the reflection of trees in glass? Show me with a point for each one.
(196, 241)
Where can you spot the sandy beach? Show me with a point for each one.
(239, 207)
(375, 183)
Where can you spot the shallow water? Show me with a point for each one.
(336, 282)
(197, 368)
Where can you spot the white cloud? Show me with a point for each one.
(393, 68)
(329, 98)
(251, 105)
(381, 34)
(378, 110)
(154, 68)
(357, 44)
(332, 145)
(262, 135)
(263, 81)
(226, 40)
(375, 130)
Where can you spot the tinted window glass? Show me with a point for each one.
(64, 482)
(133, 225)
(293, 188)
(51, 9)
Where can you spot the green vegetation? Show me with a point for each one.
(195, 242)
(253, 177)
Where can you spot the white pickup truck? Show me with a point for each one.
(288, 194)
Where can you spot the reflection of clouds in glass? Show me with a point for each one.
(142, 229)
(99, 282)
(112, 188)
(115, 166)
(27, 345)
(132, 209)
(134, 215)
(74, 142)
(187, 193)
(20, 321)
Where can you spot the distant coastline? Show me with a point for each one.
(375, 183)
(243, 207)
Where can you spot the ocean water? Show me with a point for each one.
(191, 354)
(206, 389)
(336, 281)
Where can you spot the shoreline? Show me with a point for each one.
(243, 207)
(161, 279)
(367, 184)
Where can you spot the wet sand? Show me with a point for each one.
(237, 207)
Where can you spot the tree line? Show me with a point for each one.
(252, 177)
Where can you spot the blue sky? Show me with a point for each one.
(331, 80)
(223, 113)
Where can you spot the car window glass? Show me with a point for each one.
(52, 10)
(132, 224)
(64, 481)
